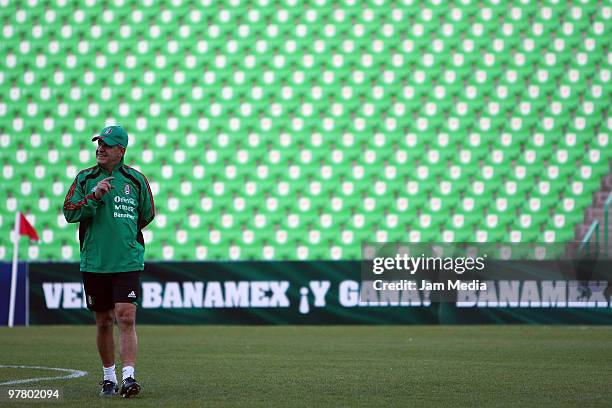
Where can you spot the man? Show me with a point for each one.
(113, 203)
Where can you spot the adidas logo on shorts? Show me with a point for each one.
(132, 295)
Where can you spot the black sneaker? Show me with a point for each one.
(109, 388)
(129, 388)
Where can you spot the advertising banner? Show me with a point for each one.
(314, 292)
(21, 294)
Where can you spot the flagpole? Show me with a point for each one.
(11, 316)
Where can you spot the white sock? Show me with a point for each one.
(109, 373)
(127, 371)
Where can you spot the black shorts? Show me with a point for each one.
(103, 290)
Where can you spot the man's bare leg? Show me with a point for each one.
(126, 319)
(104, 336)
(106, 348)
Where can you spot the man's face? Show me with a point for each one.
(108, 155)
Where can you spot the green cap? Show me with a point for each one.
(113, 135)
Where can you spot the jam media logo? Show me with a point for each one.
(126, 189)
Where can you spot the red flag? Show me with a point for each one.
(25, 228)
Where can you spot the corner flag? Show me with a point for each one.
(25, 228)
(22, 227)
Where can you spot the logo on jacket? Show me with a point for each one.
(131, 295)
(126, 189)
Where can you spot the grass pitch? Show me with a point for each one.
(270, 366)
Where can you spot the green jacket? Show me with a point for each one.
(110, 229)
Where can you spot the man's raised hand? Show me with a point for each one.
(103, 187)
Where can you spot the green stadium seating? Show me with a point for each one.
(273, 131)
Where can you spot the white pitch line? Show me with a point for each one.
(71, 374)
